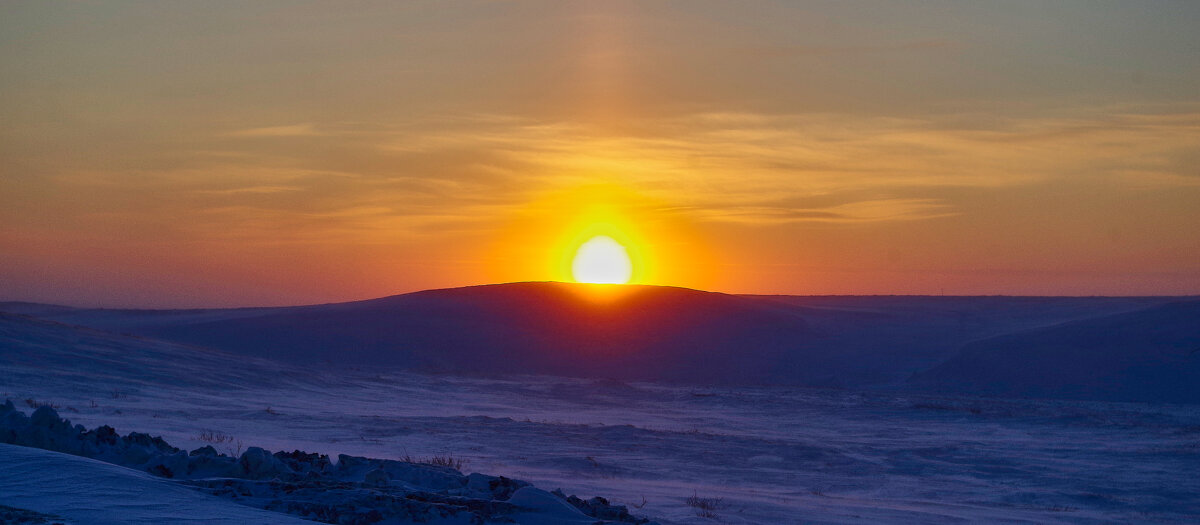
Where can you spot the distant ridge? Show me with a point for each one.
(631, 332)
(1150, 355)
(620, 332)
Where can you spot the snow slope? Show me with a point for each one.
(29, 347)
(69, 360)
(1149, 355)
(759, 455)
(86, 491)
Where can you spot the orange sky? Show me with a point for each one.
(201, 154)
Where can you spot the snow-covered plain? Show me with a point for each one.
(769, 454)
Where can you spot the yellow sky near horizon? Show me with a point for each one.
(201, 154)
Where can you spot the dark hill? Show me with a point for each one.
(630, 332)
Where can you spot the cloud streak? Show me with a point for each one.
(294, 130)
(462, 173)
(880, 169)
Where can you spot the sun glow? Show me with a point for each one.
(599, 233)
(602, 260)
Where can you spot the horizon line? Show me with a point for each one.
(814, 295)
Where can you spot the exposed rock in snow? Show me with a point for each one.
(16, 516)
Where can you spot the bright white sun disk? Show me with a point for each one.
(602, 260)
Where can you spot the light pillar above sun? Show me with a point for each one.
(602, 260)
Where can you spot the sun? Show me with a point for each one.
(602, 260)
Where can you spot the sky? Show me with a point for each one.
(188, 154)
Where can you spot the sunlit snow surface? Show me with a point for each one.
(772, 455)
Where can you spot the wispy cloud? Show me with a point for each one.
(250, 190)
(294, 130)
(464, 173)
(801, 51)
(720, 165)
(850, 212)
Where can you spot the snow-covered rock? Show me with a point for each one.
(353, 490)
